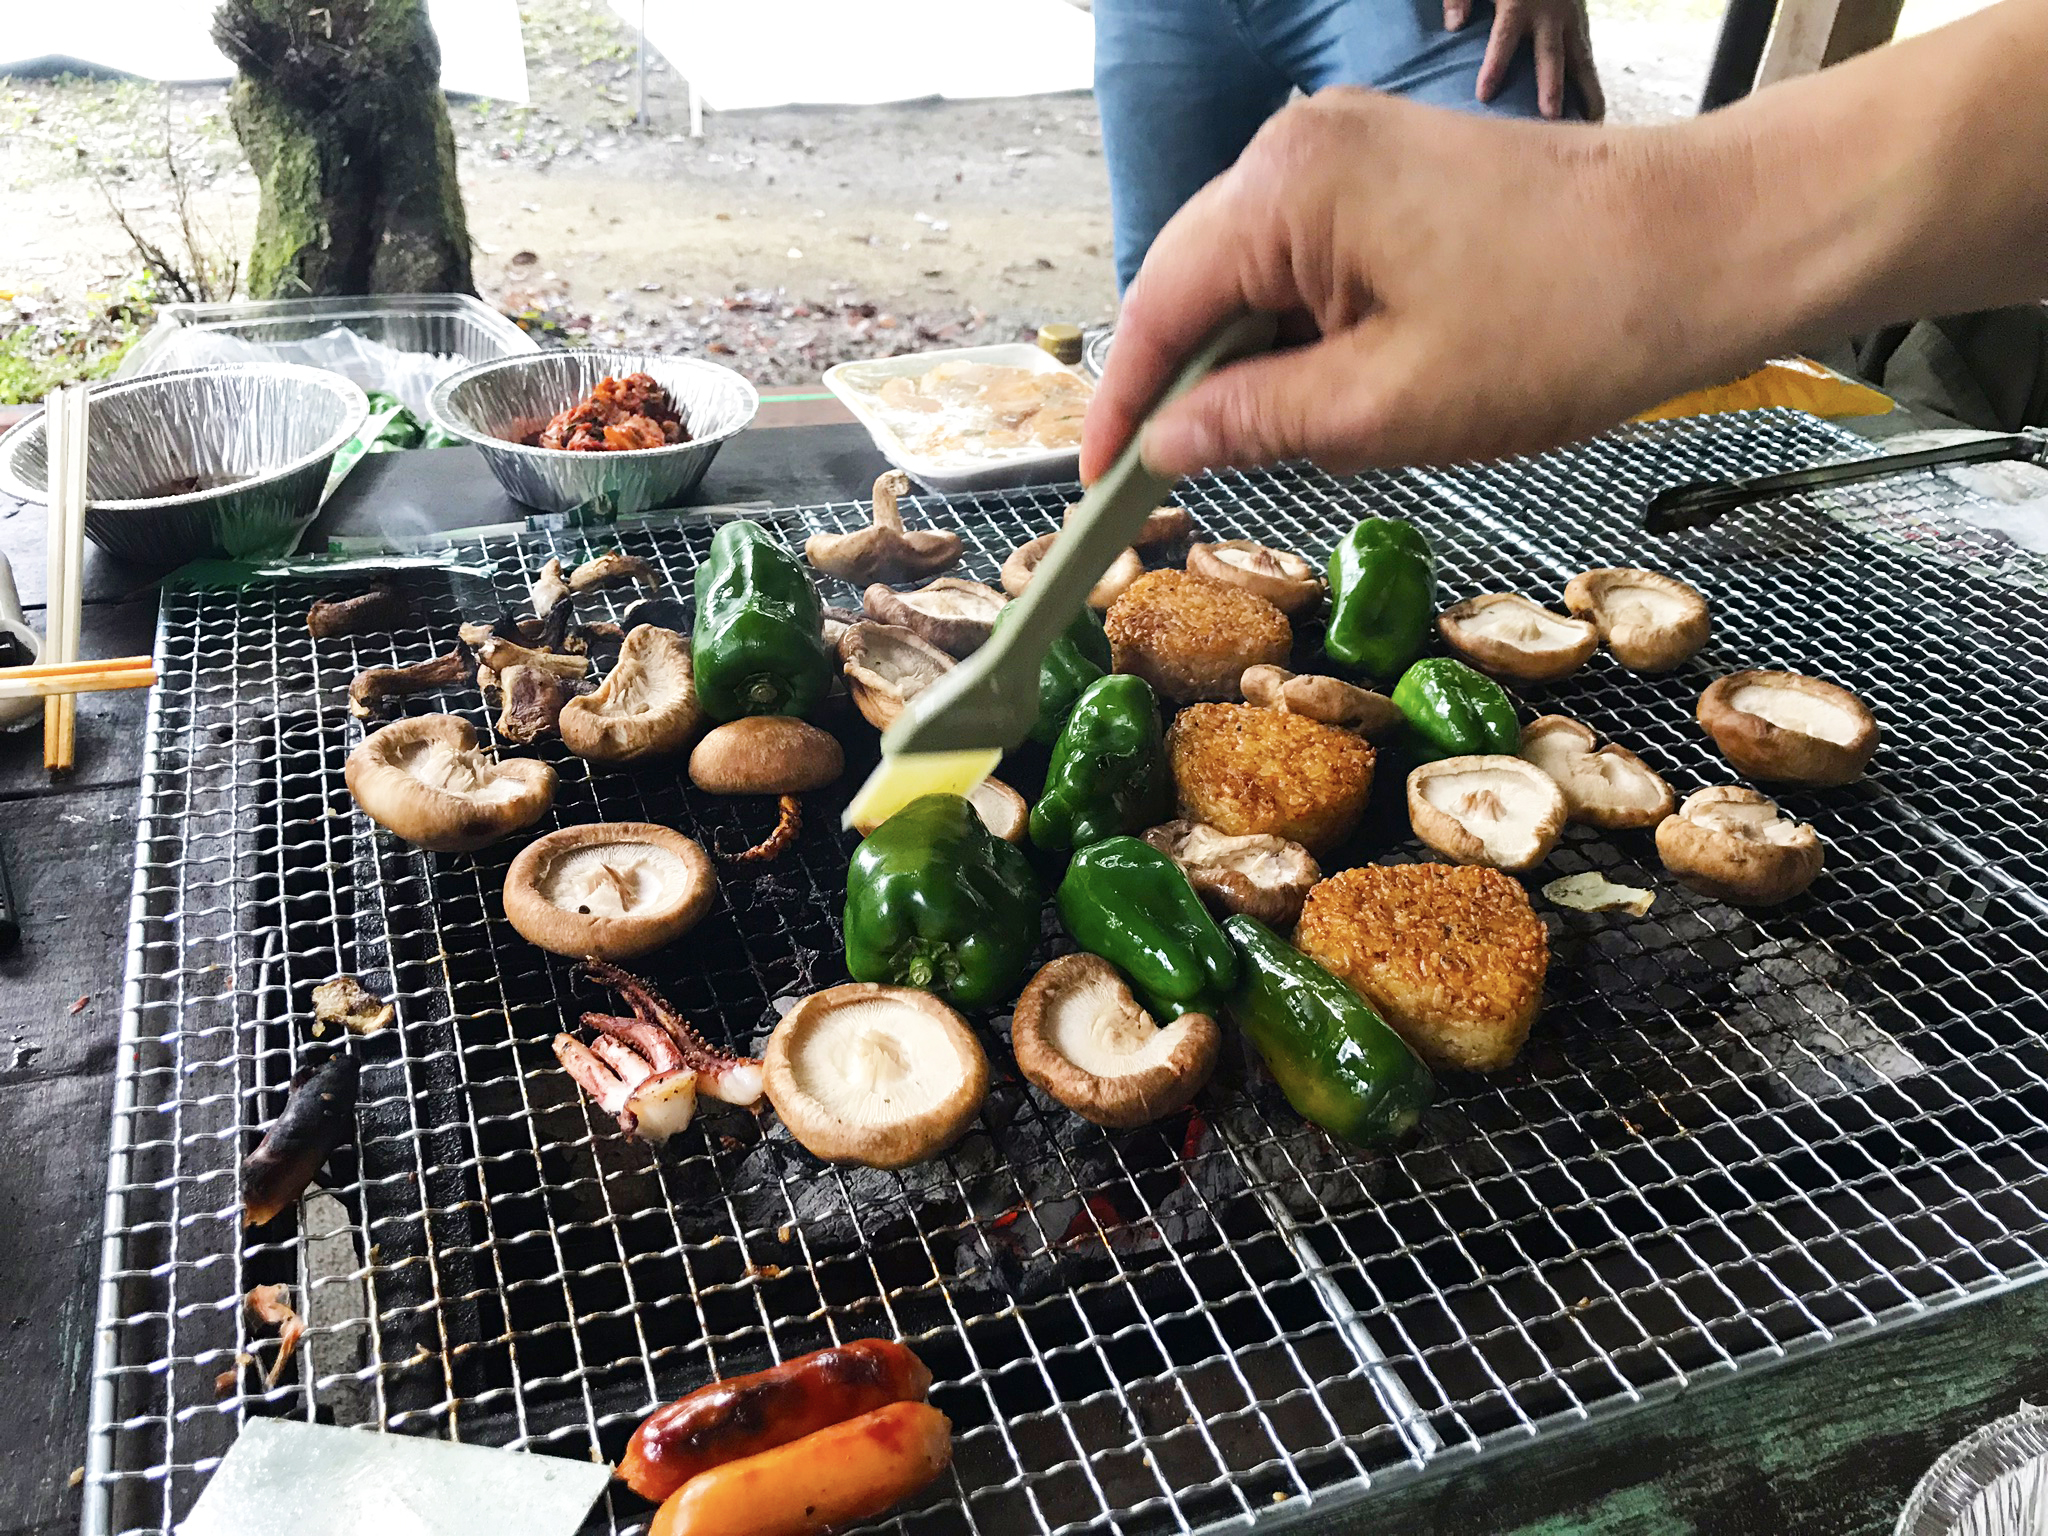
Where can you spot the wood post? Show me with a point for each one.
(1812, 34)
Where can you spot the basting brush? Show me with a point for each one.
(951, 736)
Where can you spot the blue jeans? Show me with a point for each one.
(1182, 85)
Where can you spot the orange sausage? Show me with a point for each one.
(746, 1415)
(849, 1472)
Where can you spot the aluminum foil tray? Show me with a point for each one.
(1731, 1137)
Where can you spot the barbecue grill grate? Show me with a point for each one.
(1731, 1136)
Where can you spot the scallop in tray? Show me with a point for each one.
(1731, 1136)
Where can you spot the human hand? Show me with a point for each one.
(1468, 286)
(1564, 51)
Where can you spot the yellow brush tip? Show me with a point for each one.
(899, 780)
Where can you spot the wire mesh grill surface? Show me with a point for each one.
(1731, 1135)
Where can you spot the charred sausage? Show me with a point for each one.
(749, 1414)
(849, 1472)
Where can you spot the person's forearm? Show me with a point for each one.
(1910, 182)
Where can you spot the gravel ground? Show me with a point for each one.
(781, 241)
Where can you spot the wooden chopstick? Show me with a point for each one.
(71, 668)
(64, 687)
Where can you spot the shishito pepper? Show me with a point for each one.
(1108, 773)
(1078, 657)
(1339, 1063)
(936, 901)
(1382, 597)
(1453, 711)
(1126, 901)
(759, 645)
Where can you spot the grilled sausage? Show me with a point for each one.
(849, 1472)
(749, 1414)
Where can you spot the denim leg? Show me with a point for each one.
(1393, 45)
(1180, 95)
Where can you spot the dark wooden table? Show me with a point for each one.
(1827, 1443)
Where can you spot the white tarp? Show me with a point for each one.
(481, 50)
(772, 53)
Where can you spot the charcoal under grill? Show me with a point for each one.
(1732, 1136)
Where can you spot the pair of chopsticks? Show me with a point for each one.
(66, 420)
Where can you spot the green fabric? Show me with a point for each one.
(1338, 1062)
(1126, 901)
(1453, 711)
(759, 643)
(936, 901)
(1108, 773)
(1382, 597)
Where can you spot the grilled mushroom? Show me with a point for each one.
(1286, 581)
(1609, 788)
(1328, 699)
(374, 685)
(883, 1076)
(1651, 622)
(954, 615)
(886, 668)
(533, 702)
(884, 550)
(1001, 809)
(1260, 875)
(765, 755)
(613, 889)
(1789, 727)
(346, 1001)
(1732, 843)
(380, 608)
(1080, 1036)
(1489, 809)
(548, 588)
(645, 707)
(1025, 559)
(1506, 634)
(611, 569)
(835, 622)
(426, 780)
(1163, 526)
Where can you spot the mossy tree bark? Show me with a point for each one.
(339, 108)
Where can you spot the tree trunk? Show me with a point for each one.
(339, 109)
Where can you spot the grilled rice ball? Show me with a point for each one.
(1451, 955)
(1246, 770)
(1191, 637)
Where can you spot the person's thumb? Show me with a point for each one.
(1313, 402)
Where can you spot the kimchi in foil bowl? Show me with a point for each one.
(502, 407)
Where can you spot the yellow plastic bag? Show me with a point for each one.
(1796, 382)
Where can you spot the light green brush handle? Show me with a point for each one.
(991, 699)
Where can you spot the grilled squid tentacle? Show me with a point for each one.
(721, 1075)
(788, 824)
(605, 1087)
(648, 1040)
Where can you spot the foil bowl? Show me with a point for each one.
(258, 438)
(1994, 1483)
(495, 404)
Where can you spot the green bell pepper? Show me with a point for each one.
(1452, 711)
(1382, 597)
(1077, 658)
(1339, 1063)
(759, 645)
(1108, 773)
(1126, 901)
(936, 901)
